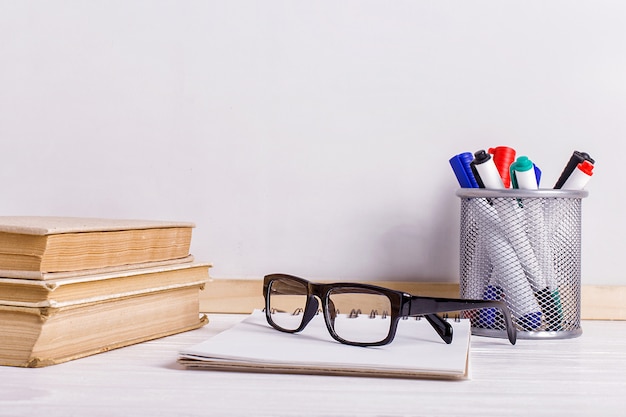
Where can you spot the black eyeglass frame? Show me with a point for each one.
(403, 305)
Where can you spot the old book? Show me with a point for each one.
(108, 269)
(99, 285)
(51, 331)
(254, 346)
(31, 246)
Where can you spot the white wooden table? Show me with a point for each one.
(585, 376)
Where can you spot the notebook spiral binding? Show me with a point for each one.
(354, 313)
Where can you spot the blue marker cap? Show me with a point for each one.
(530, 321)
(537, 174)
(461, 166)
(491, 318)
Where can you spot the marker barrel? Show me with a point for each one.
(579, 178)
(486, 172)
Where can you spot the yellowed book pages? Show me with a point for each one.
(32, 246)
(96, 287)
(42, 336)
(50, 276)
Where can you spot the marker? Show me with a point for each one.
(478, 268)
(461, 166)
(575, 159)
(523, 177)
(579, 177)
(508, 234)
(543, 281)
(483, 167)
(503, 157)
(577, 180)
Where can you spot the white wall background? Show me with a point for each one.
(308, 137)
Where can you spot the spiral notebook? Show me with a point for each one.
(253, 346)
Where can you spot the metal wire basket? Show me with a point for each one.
(522, 247)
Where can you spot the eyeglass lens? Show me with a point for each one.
(287, 300)
(361, 316)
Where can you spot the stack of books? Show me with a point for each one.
(73, 287)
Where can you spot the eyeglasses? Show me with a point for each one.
(360, 314)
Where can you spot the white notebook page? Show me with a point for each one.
(417, 350)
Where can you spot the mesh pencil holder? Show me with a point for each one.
(522, 247)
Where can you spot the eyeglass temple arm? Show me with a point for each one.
(428, 305)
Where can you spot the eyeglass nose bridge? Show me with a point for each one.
(310, 310)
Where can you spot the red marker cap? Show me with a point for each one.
(586, 167)
(503, 157)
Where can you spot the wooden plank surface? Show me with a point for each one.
(244, 295)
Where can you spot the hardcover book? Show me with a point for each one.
(32, 247)
(45, 323)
